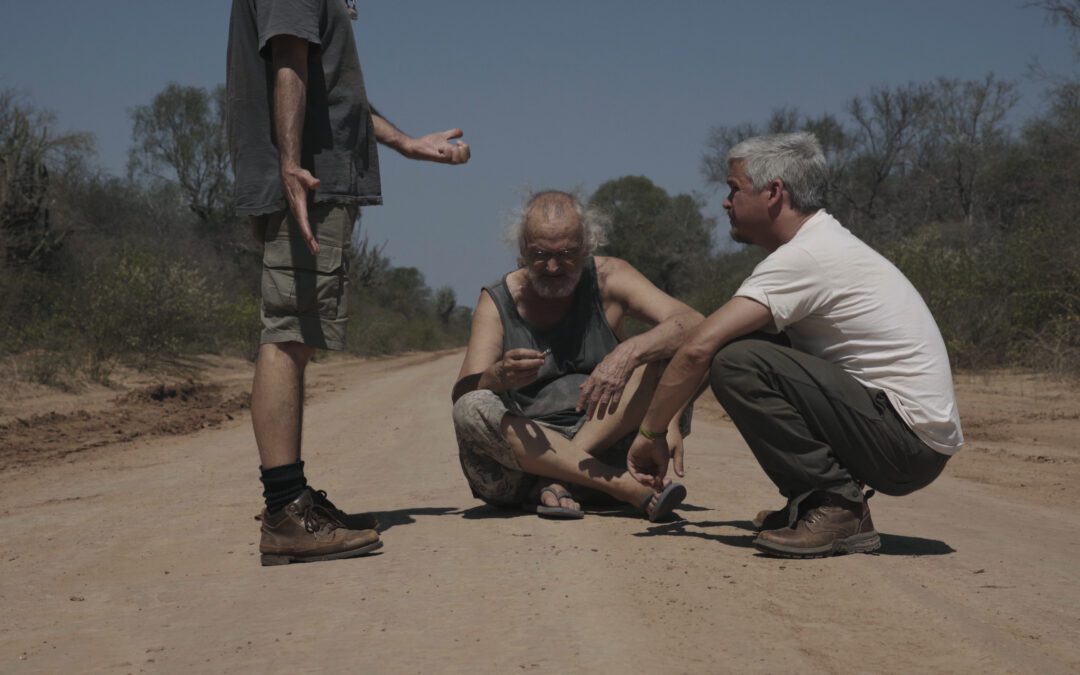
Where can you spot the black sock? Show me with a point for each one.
(282, 484)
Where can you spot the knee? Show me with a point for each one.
(735, 361)
(478, 411)
(297, 352)
(741, 353)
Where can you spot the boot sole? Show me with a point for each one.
(270, 560)
(867, 542)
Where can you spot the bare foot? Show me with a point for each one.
(556, 495)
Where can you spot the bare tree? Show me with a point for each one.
(445, 302)
(888, 124)
(723, 138)
(29, 151)
(180, 136)
(1062, 12)
(367, 264)
(968, 122)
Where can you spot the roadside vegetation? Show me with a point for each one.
(99, 270)
(976, 210)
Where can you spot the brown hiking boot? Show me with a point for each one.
(350, 521)
(304, 531)
(832, 527)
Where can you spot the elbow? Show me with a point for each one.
(689, 320)
(697, 354)
(463, 386)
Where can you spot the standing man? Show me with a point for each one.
(864, 397)
(302, 136)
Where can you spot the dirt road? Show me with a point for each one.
(142, 556)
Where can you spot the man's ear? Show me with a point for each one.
(776, 192)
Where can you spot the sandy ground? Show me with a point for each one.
(127, 544)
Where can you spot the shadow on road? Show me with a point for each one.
(898, 544)
(605, 509)
(891, 544)
(679, 529)
(488, 512)
(388, 519)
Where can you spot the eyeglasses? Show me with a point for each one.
(566, 256)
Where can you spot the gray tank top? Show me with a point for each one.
(578, 344)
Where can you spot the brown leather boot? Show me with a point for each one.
(833, 526)
(305, 531)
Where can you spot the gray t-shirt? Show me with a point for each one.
(339, 138)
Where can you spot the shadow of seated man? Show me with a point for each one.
(550, 394)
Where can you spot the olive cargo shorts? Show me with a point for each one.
(304, 296)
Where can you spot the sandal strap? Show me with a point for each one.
(565, 494)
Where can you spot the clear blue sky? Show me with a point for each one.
(553, 94)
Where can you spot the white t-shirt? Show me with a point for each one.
(841, 301)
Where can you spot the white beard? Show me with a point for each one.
(553, 287)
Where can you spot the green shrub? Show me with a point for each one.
(145, 304)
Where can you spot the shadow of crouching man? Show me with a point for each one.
(891, 544)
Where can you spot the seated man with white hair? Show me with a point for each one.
(549, 395)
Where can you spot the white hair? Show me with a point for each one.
(593, 221)
(796, 159)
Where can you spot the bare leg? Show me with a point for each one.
(553, 456)
(608, 427)
(277, 401)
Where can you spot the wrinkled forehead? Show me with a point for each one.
(553, 232)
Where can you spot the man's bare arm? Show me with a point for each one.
(647, 460)
(485, 365)
(673, 320)
(289, 60)
(436, 147)
(682, 378)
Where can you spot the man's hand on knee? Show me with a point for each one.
(601, 393)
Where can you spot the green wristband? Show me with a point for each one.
(651, 435)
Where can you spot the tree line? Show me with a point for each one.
(977, 214)
(98, 269)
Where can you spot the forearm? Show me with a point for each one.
(477, 381)
(688, 369)
(389, 135)
(664, 339)
(676, 421)
(680, 383)
(290, 98)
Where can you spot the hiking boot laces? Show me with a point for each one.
(317, 519)
(322, 500)
(814, 515)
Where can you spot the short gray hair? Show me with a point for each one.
(593, 221)
(796, 159)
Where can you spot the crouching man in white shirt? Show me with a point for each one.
(863, 396)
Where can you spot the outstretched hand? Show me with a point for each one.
(647, 461)
(296, 184)
(440, 147)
